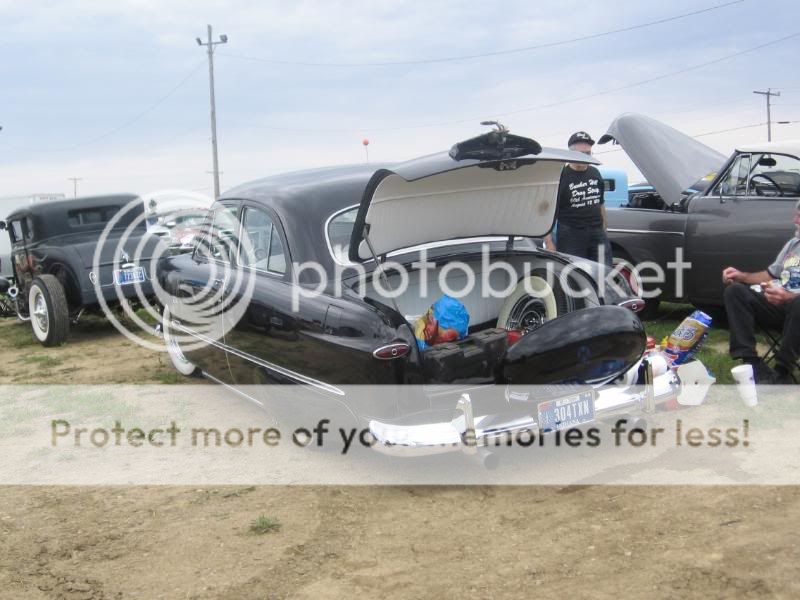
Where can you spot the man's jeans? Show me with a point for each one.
(746, 308)
(583, 242)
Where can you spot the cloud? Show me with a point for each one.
(81, 69)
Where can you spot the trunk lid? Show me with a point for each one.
(479, 188)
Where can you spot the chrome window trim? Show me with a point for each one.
(272, 228)
(645, 231)
(328, 237)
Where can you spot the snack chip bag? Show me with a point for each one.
(446, 321)
(686, 340)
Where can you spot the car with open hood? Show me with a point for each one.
(53, 250)
(318, 278)
(739, 211)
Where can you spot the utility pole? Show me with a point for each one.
(768, 94)
(74, 181)
(223, 39)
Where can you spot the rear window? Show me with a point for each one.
(91, 216)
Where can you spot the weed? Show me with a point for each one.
(264, 524)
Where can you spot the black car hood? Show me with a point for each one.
(439, 197)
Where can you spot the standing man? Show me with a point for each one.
(774, 307)
(581, 225)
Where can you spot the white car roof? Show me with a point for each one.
(791, 147)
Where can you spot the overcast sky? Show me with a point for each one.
(116, 93)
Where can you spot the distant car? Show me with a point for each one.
(615, 183)
(178, 229)
(742, 217)
(452, 206)
(53, 246)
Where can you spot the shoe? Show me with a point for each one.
(764, 374)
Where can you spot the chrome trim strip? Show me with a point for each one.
(321, 385)
(644, 231)
(233, 389)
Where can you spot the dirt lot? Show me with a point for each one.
(395, 542)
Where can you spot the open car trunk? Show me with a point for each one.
(493, 185)
(564, 339)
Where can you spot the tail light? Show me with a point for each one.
(513, 336)
(392, 351)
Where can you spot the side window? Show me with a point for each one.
(220, 238)
(16, 230)
(775, 175)
(340, 228)
(734, 183)
(261, 246)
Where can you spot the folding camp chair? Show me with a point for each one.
(774, 344)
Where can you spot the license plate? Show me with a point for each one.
(563, 413)
(126, 276)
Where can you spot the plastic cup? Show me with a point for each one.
(746, 384)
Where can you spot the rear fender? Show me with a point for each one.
(586, 346)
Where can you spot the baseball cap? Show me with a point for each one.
(580, 136)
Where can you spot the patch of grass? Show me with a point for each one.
(719, 363)
(145, 316)
(18, 335)
(45, 362)
(264, 524)
(170, 377)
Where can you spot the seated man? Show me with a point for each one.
(774, 308)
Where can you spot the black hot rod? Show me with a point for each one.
(53, 245)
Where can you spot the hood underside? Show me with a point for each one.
(671, 161)
(438, 198)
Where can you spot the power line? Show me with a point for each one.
(120, 127)
(276, 61)
(540, 106)
(707, 133)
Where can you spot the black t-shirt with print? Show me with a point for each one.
(580, 196)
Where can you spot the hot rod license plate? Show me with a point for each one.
(563, 413)
(126, 276)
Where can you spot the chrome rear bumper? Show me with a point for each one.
(468, 433)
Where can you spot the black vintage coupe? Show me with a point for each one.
(53, 245)
(495, 192)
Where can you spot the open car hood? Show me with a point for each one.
(468, 192)
(671, 161)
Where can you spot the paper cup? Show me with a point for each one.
(746, 384)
